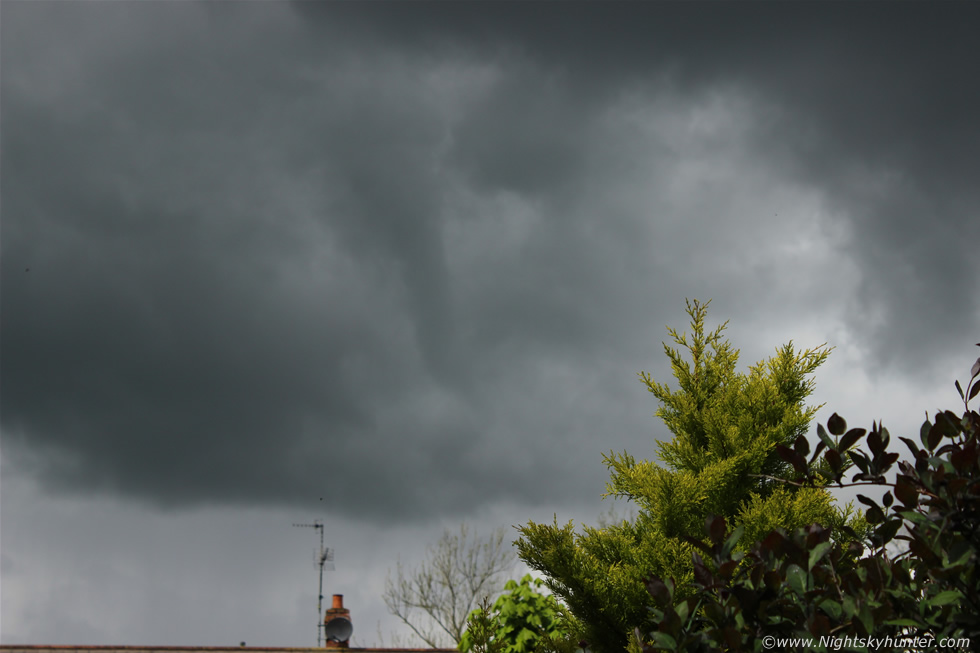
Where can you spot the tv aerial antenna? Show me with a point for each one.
(322, 558)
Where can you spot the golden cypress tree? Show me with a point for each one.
(726, 427)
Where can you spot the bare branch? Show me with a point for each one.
(435, 599)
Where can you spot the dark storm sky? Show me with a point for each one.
(409, 256)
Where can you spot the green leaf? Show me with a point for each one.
(683, 610)
(944, 598)
(832, 608)
(924, 433)
(822, 434)
(963, 559)
(796, 578)
(867, 620)
(818, 552)
(663, 640)
(732, 540)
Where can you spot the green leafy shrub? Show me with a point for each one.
(517, 622)
(804, 589)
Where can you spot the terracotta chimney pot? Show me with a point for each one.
(336, 611)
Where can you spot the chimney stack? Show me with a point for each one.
(336, 624)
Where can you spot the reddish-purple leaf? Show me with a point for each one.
(659, 591)
(952, 423)
(911, 445)
(956, 485)
(836, 424)
(849, 439)
(818, 625)
(716, 529)
(773, 580)
(874, 515)
(701, 574)
(875, 443)
(733, 638)
(975, 391)
(785, 452)
(795, 459)
(816, 452)
(773, 542)
(887, 500)
(866, 501)
(727, 569)
(906, 492)
(834, 460)
(802, 446)
(946, 449)
(963, 458)
(698, 544)
(886, 532)
(859, 459)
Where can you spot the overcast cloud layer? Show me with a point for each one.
(398, 265)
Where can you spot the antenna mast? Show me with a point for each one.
(321, 558)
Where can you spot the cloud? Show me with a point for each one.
(407, 253)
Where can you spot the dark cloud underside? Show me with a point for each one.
(278, 251)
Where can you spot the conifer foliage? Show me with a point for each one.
(723, 460)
